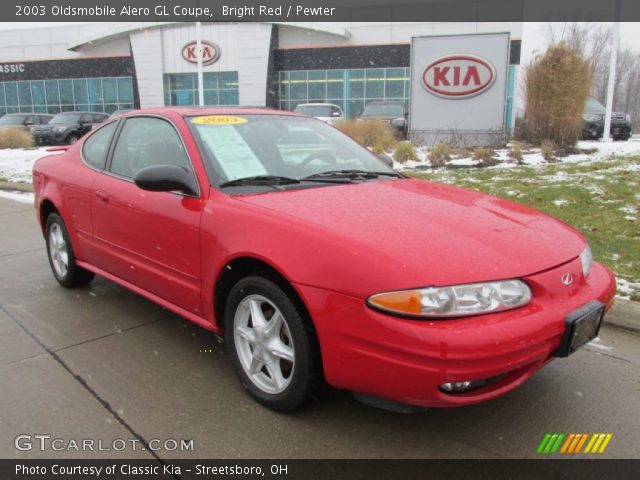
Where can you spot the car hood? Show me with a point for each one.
(55, 125)
(380, 117)
(595, 112)
(435, 234)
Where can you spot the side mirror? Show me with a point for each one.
(386, 159)
(165, 178)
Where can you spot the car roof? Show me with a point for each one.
(200, 111)
(81, 112)
(386, 101)
(316, 104)
(28, 113)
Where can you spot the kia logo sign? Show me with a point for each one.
(210, 52)
(458, 76)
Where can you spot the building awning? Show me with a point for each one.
(113, 32)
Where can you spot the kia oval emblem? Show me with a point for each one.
(458, 76)
(567, 279)
(210, 52)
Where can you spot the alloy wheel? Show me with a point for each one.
(264, 344)
(58, 251)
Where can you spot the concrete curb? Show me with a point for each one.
(624, 314)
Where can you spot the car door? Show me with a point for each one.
(84, 123)
(29, 122)
(150, 239)
(336, 115)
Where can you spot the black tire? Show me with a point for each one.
(305, 371)
(73, 138)
(73, 276)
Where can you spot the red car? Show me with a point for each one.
(316, 260)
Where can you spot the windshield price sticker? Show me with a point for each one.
(219, 120)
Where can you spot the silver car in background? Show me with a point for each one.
(327, 112)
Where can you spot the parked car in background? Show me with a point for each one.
(392, 112)
(113, 114)
(281, 233)
(593, 122)
(67, 127)
(327, 112)
(120, 112)
(23, 121)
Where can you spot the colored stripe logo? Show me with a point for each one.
(573, 443)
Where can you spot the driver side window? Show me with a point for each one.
(145, 142)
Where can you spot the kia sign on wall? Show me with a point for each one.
(210, 52)
(458, 88)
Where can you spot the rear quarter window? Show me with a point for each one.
(96, 147)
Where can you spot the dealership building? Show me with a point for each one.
(110, 66)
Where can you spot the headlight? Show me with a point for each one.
(398, 122)
(591, 118)
(586, 258)
(627, 117)
(59, 129)
(454, 301)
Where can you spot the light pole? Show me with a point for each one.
(199, 63)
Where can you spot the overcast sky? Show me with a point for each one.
(534, 35)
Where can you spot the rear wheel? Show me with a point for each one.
(61, 256)
(272, 347)
(73, 138)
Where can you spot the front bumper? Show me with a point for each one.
(407, 360)
(594, 130)
(49, 137)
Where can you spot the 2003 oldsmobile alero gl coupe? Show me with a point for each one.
(316, 260)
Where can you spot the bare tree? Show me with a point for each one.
(593, 41)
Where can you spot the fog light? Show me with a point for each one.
(456, 386)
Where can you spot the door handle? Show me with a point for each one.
(102, 196)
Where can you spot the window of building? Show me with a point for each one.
(67, 95)
(351, 89)
(220, 88)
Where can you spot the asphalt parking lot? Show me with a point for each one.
(103, 363)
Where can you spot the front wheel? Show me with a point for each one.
(272, 345)
(61, 256)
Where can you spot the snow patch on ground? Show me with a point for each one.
(22, 197)
(16, 164)
(625, 288)
(533, 157)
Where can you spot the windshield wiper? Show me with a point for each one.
(350, 174)
(260, 180)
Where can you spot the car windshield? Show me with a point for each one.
(249, 146)
(383, 110)
(314, 110)
(65, 118)
(593, 105)
(13, 120)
